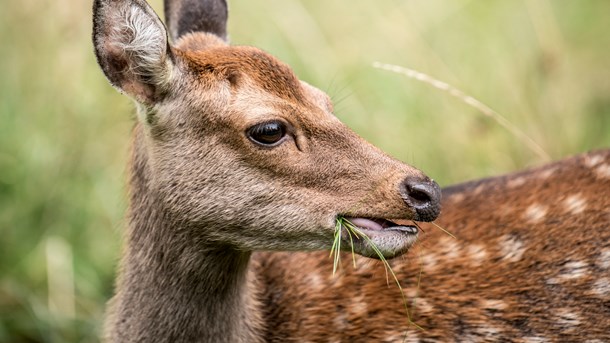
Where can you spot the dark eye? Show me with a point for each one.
(267, 133)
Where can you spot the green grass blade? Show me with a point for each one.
(358, 233)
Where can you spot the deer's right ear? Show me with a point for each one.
(132, 48)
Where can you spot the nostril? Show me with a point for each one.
(424, 196)
(420, 192)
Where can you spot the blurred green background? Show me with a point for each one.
(64, 132)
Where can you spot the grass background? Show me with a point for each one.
(64, 132)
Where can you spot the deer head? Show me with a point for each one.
(230, 144)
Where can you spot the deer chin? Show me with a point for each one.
(391, 239)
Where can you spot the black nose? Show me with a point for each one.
(424, 195)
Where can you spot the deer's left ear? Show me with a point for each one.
(132, 48)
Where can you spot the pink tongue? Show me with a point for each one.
(365, 223)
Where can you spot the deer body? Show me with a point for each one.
(233, 155)
(530, 263)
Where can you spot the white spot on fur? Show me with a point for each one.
(411, 293)
(567, 318)
(398, 264)
(575, 204)
(604, 259)
(315, 280)
(429, 261)
(480, 332)
(571, 270)
(450, 248)
(603, 171)
(422, 305)
(593, 160)
(511, 248)
(358, 306)
(574, 270)
(493, 304)
(341, 321)
(479, 189)
(601, 287)
(487, 331)
(535, 213)
(411, 337)
(514, 183)
(534, 339)
(406, 337)
(364, 265)
(546, 173)
(471, 338)
(552, 281)
(476, 253)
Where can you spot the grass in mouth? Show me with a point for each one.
(355, 232)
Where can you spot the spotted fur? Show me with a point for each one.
(502, 279)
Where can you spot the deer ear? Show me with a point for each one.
(132, 48)
(187, 16)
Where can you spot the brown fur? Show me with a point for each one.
(204, 198)
(473, 288)
(234, 63)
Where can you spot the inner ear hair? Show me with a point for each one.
(132, 48)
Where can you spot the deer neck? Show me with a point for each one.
(174, 288)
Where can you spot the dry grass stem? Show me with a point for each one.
(469, 100)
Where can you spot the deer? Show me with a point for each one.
(239, 172)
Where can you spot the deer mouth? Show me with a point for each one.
(378, 224)
(382, 236)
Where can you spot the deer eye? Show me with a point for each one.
(268, 133)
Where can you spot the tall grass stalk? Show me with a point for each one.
(469, 100)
